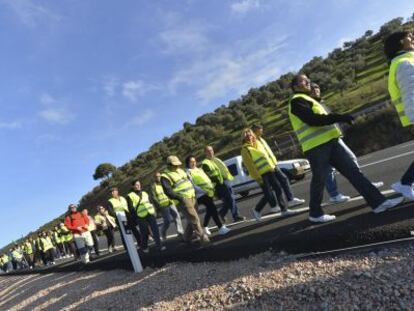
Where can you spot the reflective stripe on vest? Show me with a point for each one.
(201, 179)
(312, 136)
(261, 161)
(262, 144)
(159, 195)
(119, 205)
(180, 183)
(393, 87)
(141, 204)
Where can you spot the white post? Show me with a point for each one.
(129, 242)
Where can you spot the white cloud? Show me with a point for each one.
(134, 89)
(142, 118)
(54, 111)
(30, 13)
(183, 39)
(244, 6)
(236, 68)
(10, 125)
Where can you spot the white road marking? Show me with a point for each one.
(388, 159)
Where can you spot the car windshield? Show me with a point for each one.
(233, 169)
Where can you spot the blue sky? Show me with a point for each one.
(86, 82)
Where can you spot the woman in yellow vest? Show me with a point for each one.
(46, 246)
(261, 168)
(143, 212)
(399, 49)
(107, 224)
(204, 189)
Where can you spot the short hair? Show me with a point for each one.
(113, 189)
(205, 148)
(315, 85)
(295, 81)
(134, 181)
(392, 44)
(257, 126)
(187, 160)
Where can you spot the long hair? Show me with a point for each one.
(245, 137)
(392, 44)
(187, 160)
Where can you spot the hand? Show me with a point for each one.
(346, 118)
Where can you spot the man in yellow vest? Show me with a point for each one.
(46, 246)
(6, 263)
(318, 136)
(166, 207)
(118, 204)
(28, 252)
(399, 49)
(280, 176)
(143, 213)
(219, 174)
(177, 186)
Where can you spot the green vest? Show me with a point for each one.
(17, 255)
(312, 136)
(66, 234)
(119, 205)
(5, 259)
(260, 159)
(180, 183)
(27, 248)
(201, 179)
(262, 145)
(393, 87)
(141, 204)
(45, 244)
(56, 237)
(159, 195)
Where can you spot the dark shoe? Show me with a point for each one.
(239, 218)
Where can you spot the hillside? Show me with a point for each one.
(351, 78)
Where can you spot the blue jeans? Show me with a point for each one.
(284, 183)
(335, 154)
(331, 185)
(225, 193)
(143, 224)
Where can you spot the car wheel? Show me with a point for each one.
(244, 194)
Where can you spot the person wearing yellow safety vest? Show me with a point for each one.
(46, 246)
(68, 242)
(6, 264)
(166, 207)
(59, 242)
(118, 204)
(177, 186)
(143, 212)
(318, 136)
(219, 174)
(261, 168)
(28, 252)
(204, 189)
(17, 258)
(399, 49)
(280, 176)
(107, 224)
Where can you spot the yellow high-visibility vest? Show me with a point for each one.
(141, 204)
(180, 183)
(27, 248)
(201, 179)
(159, 195)
(46, 243)
(312, 136)
(393, 87)
(119, 205)
(260, 160)
(262, 145)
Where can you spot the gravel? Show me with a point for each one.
(381, 280)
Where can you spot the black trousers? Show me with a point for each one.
(270, 184)
(408, 177)
(211, 210)
(109, 233)
(95, 241)
(143, 224)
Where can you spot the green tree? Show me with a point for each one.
(104, 170)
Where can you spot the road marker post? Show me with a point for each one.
(129, 241)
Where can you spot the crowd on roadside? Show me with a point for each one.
(179, 189)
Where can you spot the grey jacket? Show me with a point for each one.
(405, 80)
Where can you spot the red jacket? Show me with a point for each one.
(75, 220)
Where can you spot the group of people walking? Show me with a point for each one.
(182, 188)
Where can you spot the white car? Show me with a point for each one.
(294, 169)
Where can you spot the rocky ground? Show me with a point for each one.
(367, 281)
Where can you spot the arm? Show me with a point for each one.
(168, 190)
(68, 224)
(110, 209)
(303, 110)
(248, 162)
(405, 80)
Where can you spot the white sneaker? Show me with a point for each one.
(387, 204)
(223, 230)
(323, 218)
(295, 202)
(274, 209)
(256, 214)
(163, 248)
(406, 191)
(378, 184)
(340, 198)
(146, 250)
(207, 231)
(288, 212)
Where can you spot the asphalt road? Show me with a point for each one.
(355, 223)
